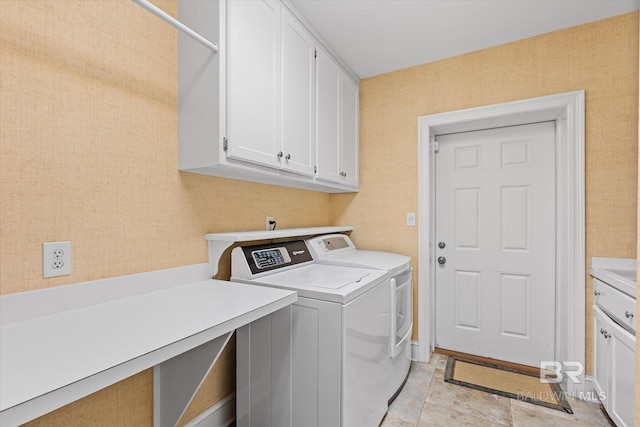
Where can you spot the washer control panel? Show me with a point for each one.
(261, 258)
(270, 257)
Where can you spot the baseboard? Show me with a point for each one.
(414, 350)
(222, 414)
(588, 391)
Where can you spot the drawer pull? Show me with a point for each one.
(597, 293)
(628, 314)
(605, 333)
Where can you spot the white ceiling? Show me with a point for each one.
(378, 36)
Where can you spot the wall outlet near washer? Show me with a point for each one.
(56, 259)
(270, 223)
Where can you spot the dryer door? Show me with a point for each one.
(401, 311)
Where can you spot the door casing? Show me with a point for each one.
(567, 110)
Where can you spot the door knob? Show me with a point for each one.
(442, 245)
(441, 260)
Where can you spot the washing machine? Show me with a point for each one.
(340, 332)
(338, 249)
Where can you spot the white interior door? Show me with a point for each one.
(495, 217)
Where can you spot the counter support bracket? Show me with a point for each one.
(176, 381)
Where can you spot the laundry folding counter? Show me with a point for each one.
(60, 344)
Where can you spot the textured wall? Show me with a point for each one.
(88, 153)
(637, 409)
(600, 57)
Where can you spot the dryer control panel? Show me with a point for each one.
(330, 244)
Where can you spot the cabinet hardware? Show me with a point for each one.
(442, 245)
(597, 293)
(605, 333)
(280, 154)
(225, 145)
(628, 314)
(288, 157)
(442, 260)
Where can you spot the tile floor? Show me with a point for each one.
(426, 400)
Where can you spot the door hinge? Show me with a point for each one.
(436, 146)
(315, 169)
(315, 53)
(224, 144)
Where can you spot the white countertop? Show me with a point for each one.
(621, 273)
(112, 339)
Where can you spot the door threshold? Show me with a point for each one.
(497, 362)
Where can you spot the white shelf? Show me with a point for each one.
(220, 242)
(51, 360)
(248, 236)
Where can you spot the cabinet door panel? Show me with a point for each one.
(297, 96)
(600, 355)
(349, 131)
(327, 118)
(622, 359)
(253, 81)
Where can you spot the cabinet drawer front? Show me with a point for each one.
(620, 306)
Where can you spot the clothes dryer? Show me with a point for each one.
(339, 250)
(340, 333)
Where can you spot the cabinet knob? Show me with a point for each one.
(442, 245)
(596, 293)
(280, 154)
(288, 157)
(628, 314)
(442, 260)
(605, 333)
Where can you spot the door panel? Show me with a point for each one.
(298, 63)
(495, 212)
(253, 86)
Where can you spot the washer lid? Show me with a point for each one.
(325, 282)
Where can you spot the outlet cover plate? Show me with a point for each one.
(56, 259)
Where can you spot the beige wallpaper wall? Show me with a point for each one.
(88, 153)
(637, 409)
(600, 57)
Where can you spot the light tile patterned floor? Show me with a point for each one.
(426, 400)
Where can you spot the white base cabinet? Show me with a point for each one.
(614, 367)
(249, 111)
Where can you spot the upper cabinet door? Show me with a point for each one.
(253, 81)
(337, 123)
(298, 51)
(349, 105)
(327, 118)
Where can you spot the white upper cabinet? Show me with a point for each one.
(298, 59)
(264, 108)
(349, 113)
(253, 81)
(337, 123)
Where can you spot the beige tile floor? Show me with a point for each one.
(426, 400)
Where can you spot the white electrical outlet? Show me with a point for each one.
(411, 219)
(56, 259)
(270, 223)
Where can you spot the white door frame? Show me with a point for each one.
(567, 110)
